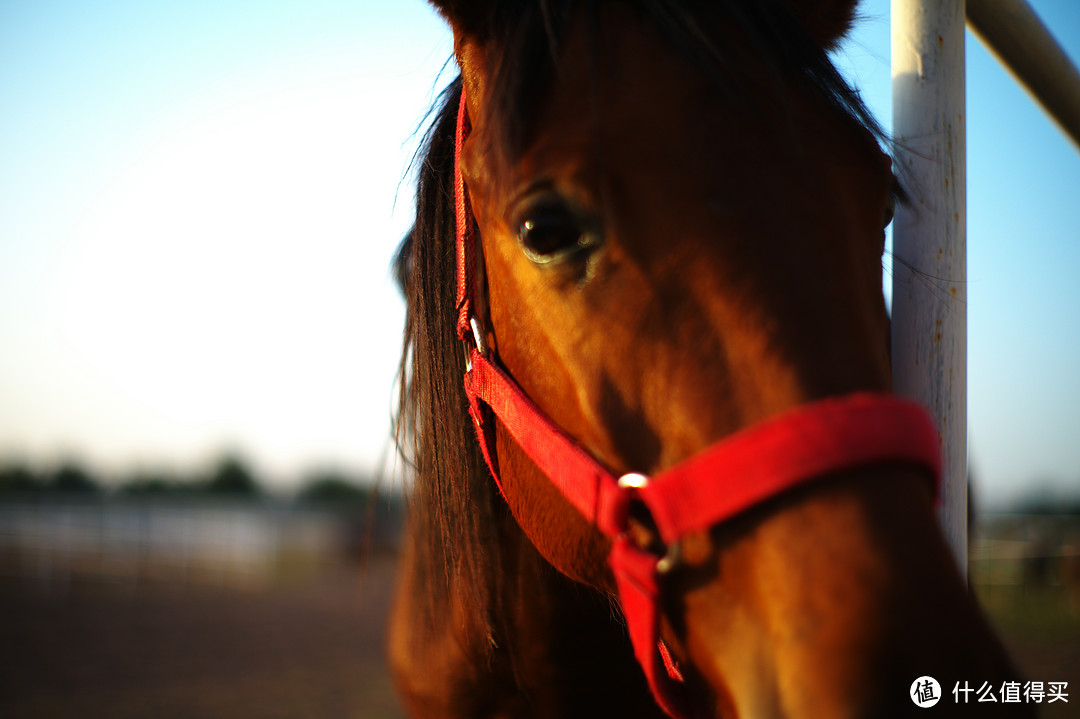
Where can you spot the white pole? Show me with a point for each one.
(929, 302)
(1020, 41)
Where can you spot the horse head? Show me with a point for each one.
(680, 212)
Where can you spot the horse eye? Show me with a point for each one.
(552, 234)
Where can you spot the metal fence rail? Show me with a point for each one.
(929, 311)
(1020, 41)
(130, 543)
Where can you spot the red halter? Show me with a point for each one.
(733, 475)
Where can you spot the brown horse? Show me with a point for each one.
(680, 208)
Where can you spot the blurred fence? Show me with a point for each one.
(1026, 569)
(1036, 549)
(132, 542)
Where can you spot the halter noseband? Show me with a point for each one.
(727, 478)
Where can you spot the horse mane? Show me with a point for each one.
(453, 504)
(455, 508)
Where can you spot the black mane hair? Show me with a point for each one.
(455, 507)
(453, 504)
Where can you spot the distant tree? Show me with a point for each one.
(18, 477)
(70, 477)
(1046, 502)
(232, 477)
(146, 486)
(152, 483)
(332, 487)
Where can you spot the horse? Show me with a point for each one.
(645, 389)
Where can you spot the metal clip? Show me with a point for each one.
(671, 559)
(477, 342)
(673, 555)
(478, 335)
(633, 480)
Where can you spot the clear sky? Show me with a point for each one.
(199, 203)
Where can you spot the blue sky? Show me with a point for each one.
(199, 202)
(1023, 256)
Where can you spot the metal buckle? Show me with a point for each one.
(478, 342)
(478, 335)
(673, 555)
(633, 480)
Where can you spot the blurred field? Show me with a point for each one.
(310, 643)
(311, 649)
(1042, 633)
(1025, 569)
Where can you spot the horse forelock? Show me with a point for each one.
(525, 42)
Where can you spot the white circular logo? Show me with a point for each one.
(925, 692)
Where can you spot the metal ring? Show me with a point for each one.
(633, 480)
(478, 335)
(670, 560)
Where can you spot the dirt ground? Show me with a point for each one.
(304, 650)
(1041, 628)
(308, 650)
(1049, 659)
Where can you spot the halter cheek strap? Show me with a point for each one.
(727, 478)
(466, 237)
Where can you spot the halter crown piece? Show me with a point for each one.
(729, 477)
